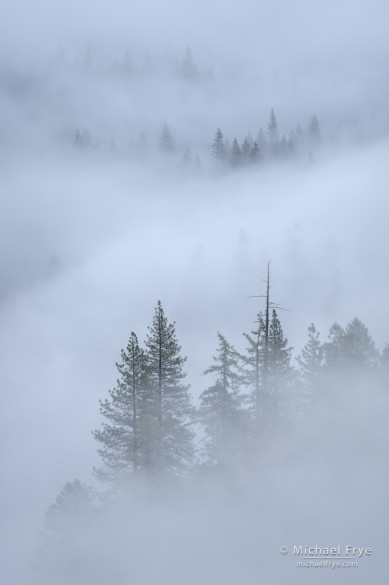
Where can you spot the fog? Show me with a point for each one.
(93, 236)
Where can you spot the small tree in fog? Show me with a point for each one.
(166, 142)
(280, 375)
(220, 405)
(310, 363)
(246, 149)
(236, 154)
(218, 147)
(272, 132)
(255, 154)
(314, 131)
(350, 349)
(58, 557)
(188, 67)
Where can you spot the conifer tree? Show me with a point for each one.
(236, 154)
(272, 132)
(172, 404)
(350, 349)
(188, 67)
(218, 148)
(166, 142)
(246, 149)
(126, 444)
(255, 154)
(262, 141)
(310, 362)
(220, 406)
(280, 373)
(67, 521)
(314, 131)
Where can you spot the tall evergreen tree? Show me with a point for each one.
(280, 374)
(171, 398)
(126, 441)
(220, 405)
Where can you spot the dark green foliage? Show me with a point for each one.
(172, 405)
(147, 412)
(127, 443)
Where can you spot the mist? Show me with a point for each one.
(97, 224)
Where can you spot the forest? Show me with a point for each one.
(153, 437)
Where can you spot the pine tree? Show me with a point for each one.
(166, 142)
(236, 154)
(280, 373)
(67, 521)
(262, 141)
(359, 345)
(220, 406)
(246, 150)
(255, 154)
(218, 148)
(272, 132)
(172, 404)
(310, 362)
(350, 349)
(314, 131)
(127, 443)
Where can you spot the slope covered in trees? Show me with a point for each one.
(254, 399)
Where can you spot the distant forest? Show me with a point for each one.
(267, 146)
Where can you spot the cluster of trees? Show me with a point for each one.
(255, 396)
(148, 410)
(267, 145)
